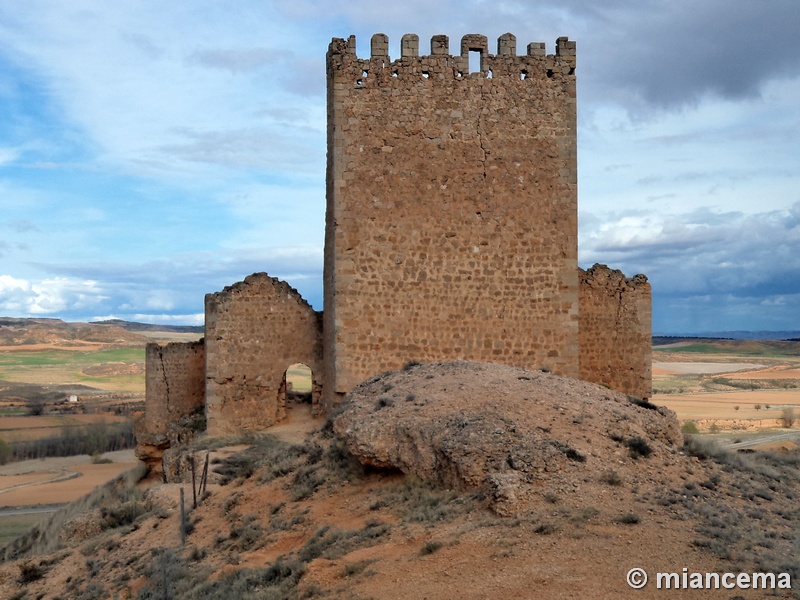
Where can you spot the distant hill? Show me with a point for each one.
(793, 335)
(134, 326)
(57, 333)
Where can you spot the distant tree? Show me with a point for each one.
(5, 452)
(788, 416)
(757, 407)
(736, 407)
(35, 408)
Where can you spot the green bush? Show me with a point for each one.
(690, 427)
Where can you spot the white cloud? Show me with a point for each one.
(8, 155)
(48, 296)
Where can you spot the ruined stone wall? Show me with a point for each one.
(616, 330)
(451, 226)
(174, 399)
(174, 384)
(255, 330)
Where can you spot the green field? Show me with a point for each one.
(63, 357)
(741, 349)
(13, 526)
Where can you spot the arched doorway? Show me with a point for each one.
(298, 384)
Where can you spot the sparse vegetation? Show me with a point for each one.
(629, 519)
(383, 402)
(639, 447)
(611, 477)
(430, 547)
(643, 403)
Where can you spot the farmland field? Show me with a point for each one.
(65, 387)
(729, 384)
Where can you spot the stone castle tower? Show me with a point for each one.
(451, 229)
(451, 233)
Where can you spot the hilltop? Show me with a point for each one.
(451, 480)
(55, 333)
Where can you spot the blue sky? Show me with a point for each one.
(153, 152)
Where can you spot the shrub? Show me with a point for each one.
(546, 528)
(569, 452)
(788, 416)
(629, 519)
(383, 402)
(757, 406)
(690, 427)
(29, 572)
(642, 402)
(430, 547)
(611, 478)
(638, 447)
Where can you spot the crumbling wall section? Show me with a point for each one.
(616, 330)
(174, 398)
(255, 330)
(451, 226)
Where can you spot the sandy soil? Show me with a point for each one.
(298, 423)
(8, 482)
(723, 405)
(780, 372)
(73, 476)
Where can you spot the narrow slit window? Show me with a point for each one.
(523, 75)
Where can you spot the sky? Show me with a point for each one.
(154, 152)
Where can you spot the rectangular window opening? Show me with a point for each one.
(475, 61)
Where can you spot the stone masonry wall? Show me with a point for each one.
(451, 226)
(616, 331)
(255, 330)
(174, 398)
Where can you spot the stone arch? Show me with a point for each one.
(298, 384)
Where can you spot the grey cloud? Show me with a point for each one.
(145, 45)
(711, 269)
(238, 60)
(673, 53)
(23, 226)
(294, 149)
(708, 253)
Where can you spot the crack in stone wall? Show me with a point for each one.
(452, 208)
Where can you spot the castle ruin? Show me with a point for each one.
(451, 233)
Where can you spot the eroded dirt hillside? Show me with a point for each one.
(456, 480)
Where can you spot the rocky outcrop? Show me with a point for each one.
(501, 428)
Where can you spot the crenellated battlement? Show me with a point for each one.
(535, 64)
